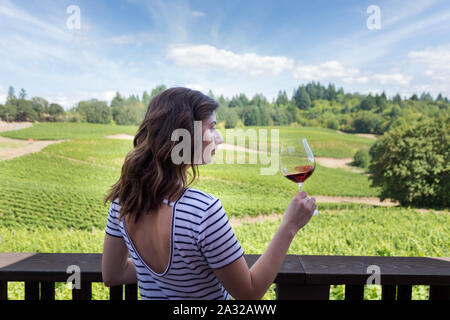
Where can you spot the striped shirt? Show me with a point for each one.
(202, 240)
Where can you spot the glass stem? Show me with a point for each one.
(300, 184)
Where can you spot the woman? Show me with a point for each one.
(180, 241)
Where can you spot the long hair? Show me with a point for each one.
(148, 172)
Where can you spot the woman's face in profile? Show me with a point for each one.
(211, 138)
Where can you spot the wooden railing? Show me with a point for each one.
(300, 277)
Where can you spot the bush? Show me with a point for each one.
(95, 111)
(231, 119)
(368, 122)
(411, 164)
(361, 158)
(130, 114)
(332, 124)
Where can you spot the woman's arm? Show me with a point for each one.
(243, 283)
(117, 267)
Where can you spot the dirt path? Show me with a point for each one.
(365, 135)
(319, 199)
(120, 137)
(8, 126)
(12, 148)
(21, 147)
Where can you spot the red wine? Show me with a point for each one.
(302, 173)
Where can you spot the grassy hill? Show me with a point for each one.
(52, 201)
(63, 185)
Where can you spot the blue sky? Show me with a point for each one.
(251, 46)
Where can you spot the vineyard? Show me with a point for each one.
(52, 201)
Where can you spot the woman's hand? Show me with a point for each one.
(243, 283)
(298, 213)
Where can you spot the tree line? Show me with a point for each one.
(311, 104)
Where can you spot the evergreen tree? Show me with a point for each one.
(397, 99)
(251, 116)
(22, 94)
(146, 98)
(311, 90)
(380, 102)
(331, 92)
(340, 95)
(211, 94)
(282, 98)
(117, 101)
(320, 91)
(158, 89)
(368, 103)
(235, 102)
(302, 99)
(426, 97)
(11, 93)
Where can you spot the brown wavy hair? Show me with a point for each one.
(148, 172)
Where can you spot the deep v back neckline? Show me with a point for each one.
(138, 255)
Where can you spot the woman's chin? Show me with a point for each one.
(208, 160)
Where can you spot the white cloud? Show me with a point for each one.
(399, 12)
(29, 22)
(108, 95)
(209, 57)
(62, 100)
(198, 14)
(329, 70)
(2, 95)
(436, 61)
(196, 86)
(392, 78)
(137, 39)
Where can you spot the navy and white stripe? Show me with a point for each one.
(202, 240)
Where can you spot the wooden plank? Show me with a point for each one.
(32, 290)
(49, 266)
(3, 290)
(404, 292)
(296, 270)
(354, 292)
(285, 291)
(47, 290)
(291, 270)
(320, 269)
(131, 292)
(84, 293)
(116, 293)
(393, 270)
(388, 292)
(439, 292)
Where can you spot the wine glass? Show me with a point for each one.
(297, 162)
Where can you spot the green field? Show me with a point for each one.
(324, 142)
(52, 200)
(362, 231)
(67, 130)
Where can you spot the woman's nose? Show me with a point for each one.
(219, 138)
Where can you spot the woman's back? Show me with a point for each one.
(196, 239)
(151, 236)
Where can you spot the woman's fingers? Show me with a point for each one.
(302, 194)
